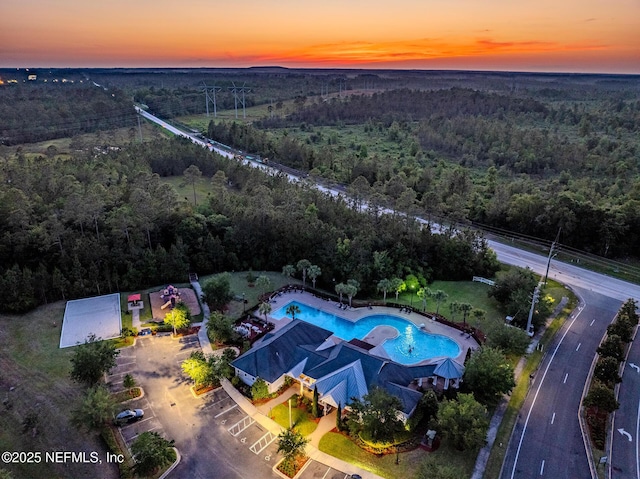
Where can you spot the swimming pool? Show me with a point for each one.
(411, 346)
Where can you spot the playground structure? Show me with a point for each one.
(171, 295)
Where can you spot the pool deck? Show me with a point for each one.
(380, 333)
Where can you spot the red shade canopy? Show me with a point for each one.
(134, 297)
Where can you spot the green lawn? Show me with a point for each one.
(341, 447)
(240, 287)
(302, 421)
(33, 364)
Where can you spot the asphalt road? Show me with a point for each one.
(547, 440)
(624, 462)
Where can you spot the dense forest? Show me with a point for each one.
(100, 222)
(510, 162)
(533, 154)
(38, 112)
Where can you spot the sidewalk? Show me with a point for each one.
(496, 419)
(260, 417)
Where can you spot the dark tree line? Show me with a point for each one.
(35, 112)
(96, 224)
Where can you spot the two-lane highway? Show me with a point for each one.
(547, 440)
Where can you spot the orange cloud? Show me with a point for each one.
(356, 53)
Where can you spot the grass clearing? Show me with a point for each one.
(240, 288)
(32, 363)
(343, 448)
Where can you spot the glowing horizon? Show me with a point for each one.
(589, 36)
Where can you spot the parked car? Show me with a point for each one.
(144, 332)
(129, 415)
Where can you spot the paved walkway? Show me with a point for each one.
(135, 319)
(312, 450)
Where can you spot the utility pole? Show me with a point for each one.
(551, 255)
(534, 300)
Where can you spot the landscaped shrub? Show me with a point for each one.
(260, 390)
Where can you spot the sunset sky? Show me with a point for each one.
(516, 35)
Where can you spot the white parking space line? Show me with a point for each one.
(553, 418)
(262, 443)
(127, 426)
(565, 378)
(542, 468)
(579, 344)
(325, 474)
(226, 411)
(591, 323)
(211, 404)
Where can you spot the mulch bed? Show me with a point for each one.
(187, 295)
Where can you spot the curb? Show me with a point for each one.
(172, 466)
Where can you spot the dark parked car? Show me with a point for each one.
(129, 415)
(144, 332)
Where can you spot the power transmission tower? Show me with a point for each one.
(207, 97)
(239, 95)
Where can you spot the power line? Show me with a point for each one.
(210, 98)
(237, 91)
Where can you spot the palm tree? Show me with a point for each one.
(454, 307)
(384, 285)
(313, 273)
(439, 296)
(265, 308)
(288, 270)
(423, 294)
(465, 308)
(478, 315)
(352, 289)
(304, 265)
(293, 309)
(398, 286)
(263, 282)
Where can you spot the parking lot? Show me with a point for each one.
(211, 431)
(221, 410)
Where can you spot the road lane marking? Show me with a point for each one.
(542, 468)
(591, 323)
(553, 418)
(638, 435)
(535, 396)
(565, 378)
(579, 344)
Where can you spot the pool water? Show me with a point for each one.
(411, 346)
